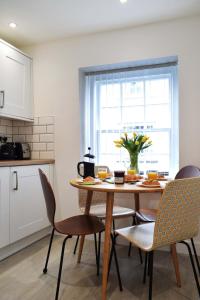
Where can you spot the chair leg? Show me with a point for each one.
(145, 268)
(151, 254)
(61, 264)
(99, 254)
(95, 247)
(76, 245)
(193, 265)
(116, 263)
(48, 253)
(130, 245)
(195, 254)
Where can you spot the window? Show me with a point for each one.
(132, 100)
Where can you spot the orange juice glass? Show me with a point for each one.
(152, 175)
(131, 171)
(102, 173)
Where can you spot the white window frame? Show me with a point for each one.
(89, 109)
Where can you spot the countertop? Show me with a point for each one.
(28, 162)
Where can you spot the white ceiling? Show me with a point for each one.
(45, 20)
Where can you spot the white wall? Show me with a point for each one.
(56, 86)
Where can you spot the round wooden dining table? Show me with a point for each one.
(110, 190)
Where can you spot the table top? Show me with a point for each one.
(118, 188)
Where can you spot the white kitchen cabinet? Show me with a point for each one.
(15, 83)
(4, 207)
(27, 204)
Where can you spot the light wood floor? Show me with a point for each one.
(21, 276)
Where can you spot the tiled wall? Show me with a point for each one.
(39, 135)
(6, 128)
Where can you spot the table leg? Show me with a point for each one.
(87, 210)
(176, 264)
(106, 253)
(137, 201)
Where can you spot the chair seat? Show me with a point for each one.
(99, 210)
(140, 235)
(146, 215)
(80, 225)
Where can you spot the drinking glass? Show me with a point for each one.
(102, 173)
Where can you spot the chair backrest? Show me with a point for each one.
(49, 197)
(187, 172)
(98, 198)
(178, 213)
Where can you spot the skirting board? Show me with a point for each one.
(23, 243)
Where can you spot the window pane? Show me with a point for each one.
(133, 93)
(158, 115)
(110, 118)
(157, 91)
(131, 115)
(110, 95)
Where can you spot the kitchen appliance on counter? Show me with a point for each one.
(14, 151)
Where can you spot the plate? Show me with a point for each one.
(159, 179)
(150, 186)
(96, 181)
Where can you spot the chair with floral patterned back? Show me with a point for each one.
(177, 220)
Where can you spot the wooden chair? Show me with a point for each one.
(149, 215)
(77, 225)
(98, 209)
(177, 220)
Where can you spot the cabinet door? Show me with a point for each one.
(4, 206)
(16, 86)
(27, 204)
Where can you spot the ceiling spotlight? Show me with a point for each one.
(13, 25)
(123, 1)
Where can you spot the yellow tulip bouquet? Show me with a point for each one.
(134, 145)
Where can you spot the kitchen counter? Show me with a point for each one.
(28, 162)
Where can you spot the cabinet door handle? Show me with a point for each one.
(16, 181)
(3, 99)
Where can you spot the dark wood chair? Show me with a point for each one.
(77, 225)
(98, 209)
(146, 215)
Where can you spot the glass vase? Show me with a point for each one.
(134, 162)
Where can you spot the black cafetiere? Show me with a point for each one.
(86, 168)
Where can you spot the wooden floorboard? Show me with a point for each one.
(21, 276)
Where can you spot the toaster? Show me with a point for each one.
(26, 151)
(14, 151)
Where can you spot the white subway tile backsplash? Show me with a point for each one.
(39, 147)
(6, 122)
(3, 130)
(50, 128)
(19, 138)
(35, 138)
(35, 155)
(39, 134)
(39, 129)
(50, 146)
(15, 130)
(18, 123)
(26, 130)
(8, 130)
(46, 137)
(46, 154)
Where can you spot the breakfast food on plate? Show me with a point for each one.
(132, 177)
(89, 179)
(151, 182)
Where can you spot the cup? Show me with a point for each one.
(152, 175)
(131, 171)
(102, 173)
